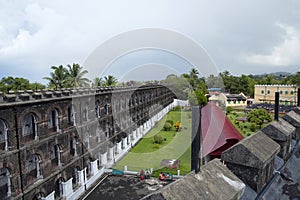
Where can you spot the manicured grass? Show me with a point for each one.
(146, 154)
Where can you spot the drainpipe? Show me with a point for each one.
(298, 97)
(196, 139)
(276, 109)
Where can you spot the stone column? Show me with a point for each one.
(67, 188)
(80, 177)
(111, 153)
(119, 147)
(103, 159)
(129, 138)
(124, 141)
(94, 167)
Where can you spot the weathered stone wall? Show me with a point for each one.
(43, 145)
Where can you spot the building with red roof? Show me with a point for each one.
(218, 133)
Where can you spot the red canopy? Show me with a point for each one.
(218, 133)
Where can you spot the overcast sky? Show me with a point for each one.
(240, 36)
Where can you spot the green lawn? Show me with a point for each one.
(146, 154)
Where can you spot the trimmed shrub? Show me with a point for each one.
(167, 126)
(170, 121)
(158, 139)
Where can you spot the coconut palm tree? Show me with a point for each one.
(76, 76)
(58, 78)
(194, 73)
(110, 80)
(98, 82)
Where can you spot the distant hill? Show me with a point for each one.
(277, 75)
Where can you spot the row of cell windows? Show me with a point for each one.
(281, 92)
(238, 101)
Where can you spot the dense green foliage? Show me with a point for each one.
(259, 116)
(197, 98)
(17, 83)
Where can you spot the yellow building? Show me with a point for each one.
(232, 100)
(266, 94)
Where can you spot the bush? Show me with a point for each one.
(229, 110)
(170, 121)
(178, 126)
(158, 139)
(252, 127)
(156, 146)
(167, 126)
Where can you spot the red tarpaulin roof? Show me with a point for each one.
(217, 130)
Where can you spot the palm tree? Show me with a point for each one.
(58, 78)
(98, 82)
(76, 76)
(110, 80)
(194, 73)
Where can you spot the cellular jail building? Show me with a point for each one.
(56, 144)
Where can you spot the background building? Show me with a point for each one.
(232, 100)
(266, 94)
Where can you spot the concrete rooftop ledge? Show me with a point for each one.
(214, 181)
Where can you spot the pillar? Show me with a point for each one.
(111, 153)
(103, 159)
(67, 188)
(81, 179)
(94, 167)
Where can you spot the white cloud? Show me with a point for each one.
(284, 54)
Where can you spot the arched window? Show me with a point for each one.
(3, 136)
(56, 155)
(59, 187)
(85, 113)
(262, 92)
(72, 115)
(39, 196)
(5, 183)
(97, 109)
(98, 134)
(33, 166)
(74, 143)
(75, 175)
(29, 126)
(106, 107)
(53, 120)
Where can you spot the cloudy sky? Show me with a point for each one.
(247, 37)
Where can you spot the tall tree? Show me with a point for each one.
(197, 98)
(76, 76)
(58, 78)
(110, 80)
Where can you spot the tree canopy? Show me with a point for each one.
(18, 83)
(259, 116)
